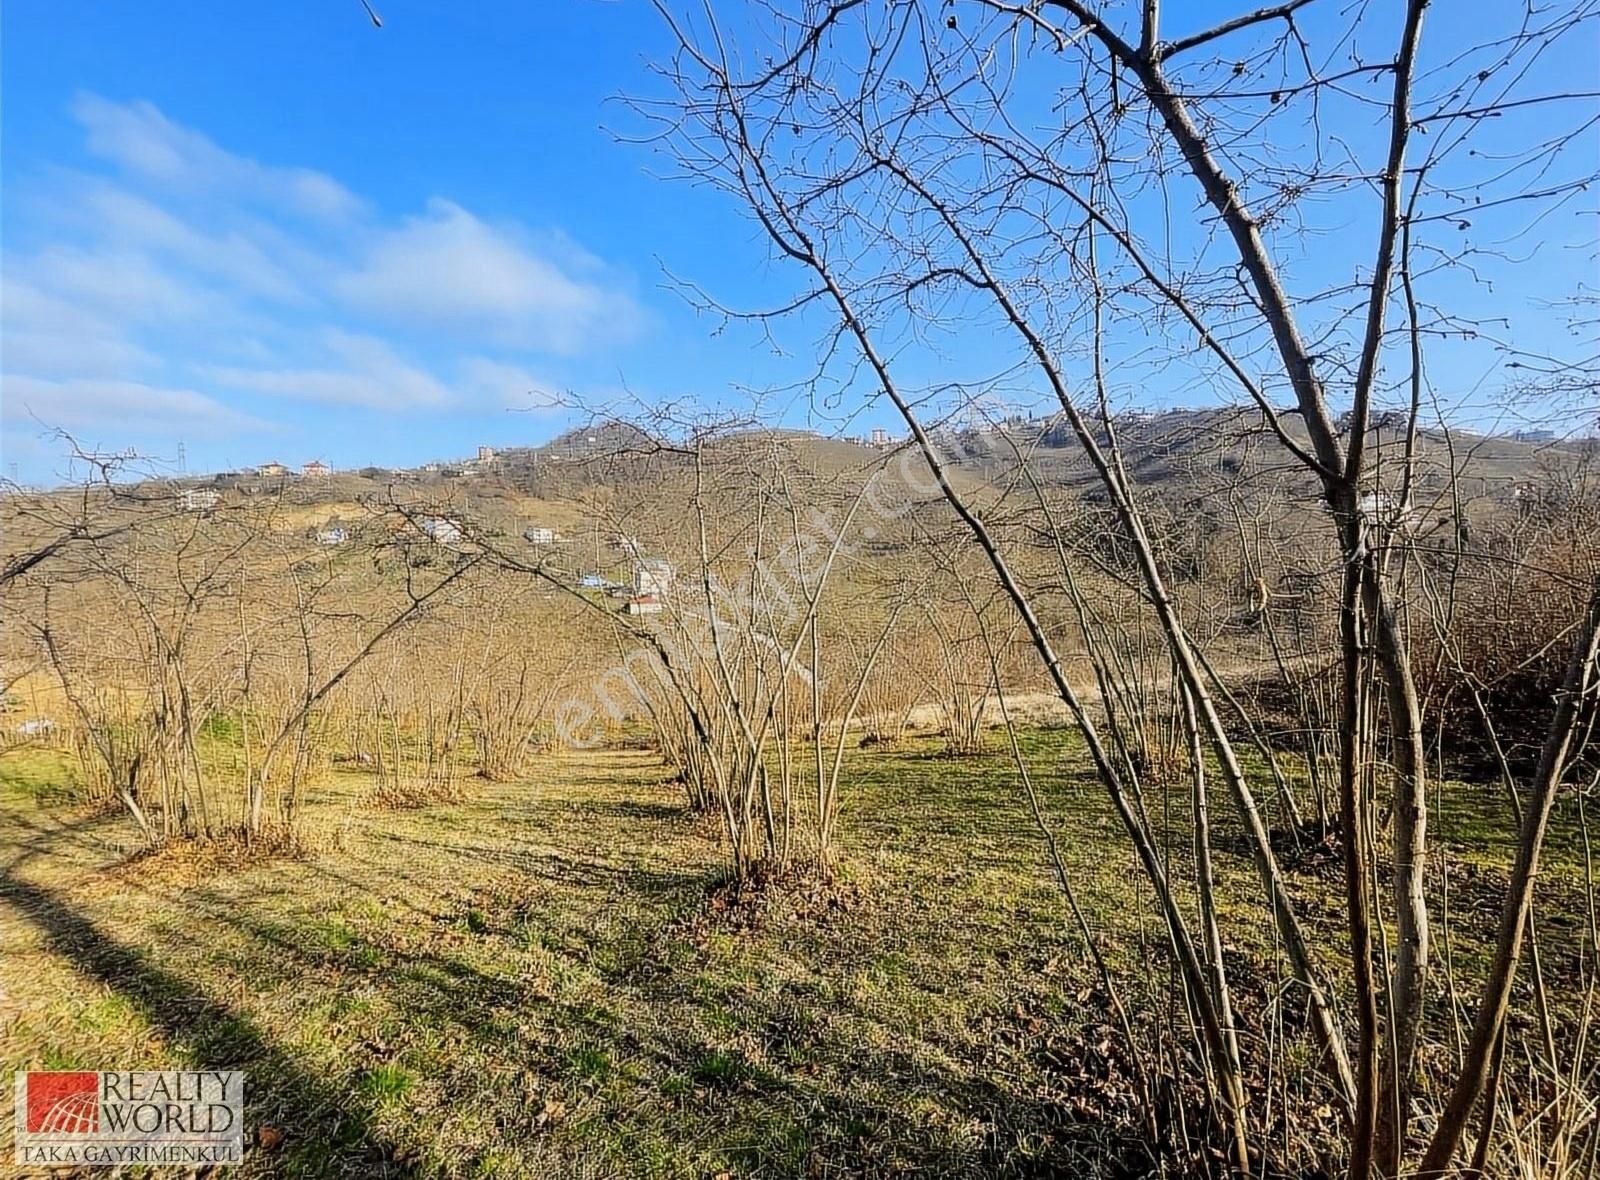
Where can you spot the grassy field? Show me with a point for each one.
(548, 980)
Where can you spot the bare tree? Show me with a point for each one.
(909, 163)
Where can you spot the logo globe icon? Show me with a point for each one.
(73, 1114)
(63, 1103)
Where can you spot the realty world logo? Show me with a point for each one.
(184, 1117)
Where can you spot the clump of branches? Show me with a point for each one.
(198, 645)
(1024, 175)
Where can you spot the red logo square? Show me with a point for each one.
(63, 1103)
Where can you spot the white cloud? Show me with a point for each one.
(156, 297)
(118, 282)
(364, 371)
(231, 256)
(449, 269)
(139, 138)
(117, 406)
(46, 334)
(187, 218)
(503, 386)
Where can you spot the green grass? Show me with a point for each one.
(530, 983)
(33, 774)
(387, 1083)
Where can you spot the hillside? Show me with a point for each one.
(1185, 459)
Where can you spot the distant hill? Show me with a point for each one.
(1196, 468)
(1195, 454)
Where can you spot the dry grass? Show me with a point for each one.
(546, 979)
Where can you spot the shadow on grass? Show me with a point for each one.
(813, 1096)
(539, 960)
(90, 834)
(628, 809)
(326, 1134)
(572, 870)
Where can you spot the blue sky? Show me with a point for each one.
(272, 231)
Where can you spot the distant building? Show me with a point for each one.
(1523, 492)
(334, 535)
(272, 470)
(1384, 508)
(651, 577)
(487, 454)
(1535, 436)
(591, 582)
(880, 437)
(644, 604)
(199, 499)
(538, 534)
(316, 469)
(441, 530)
(1376, 504)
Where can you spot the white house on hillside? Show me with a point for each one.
(652, 577)
(199, 499)
(441, 530)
